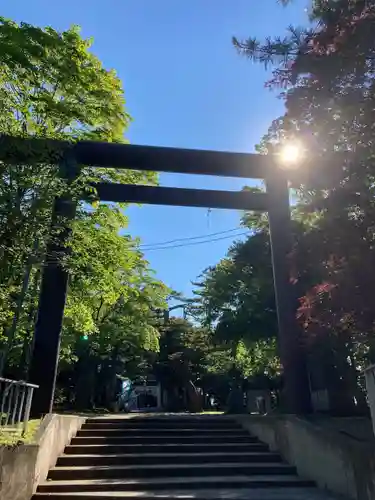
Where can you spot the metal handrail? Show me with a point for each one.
(16, 397)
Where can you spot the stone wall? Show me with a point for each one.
(335, 462)
(23, 467)
(17, 471)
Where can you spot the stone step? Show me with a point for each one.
(131, 431)
(186, 448)
(168, 471)
(69, 460)
(177, 419)
(173, 483)
(123, 438)
(164, 424)
(171, 458)
(271, 493)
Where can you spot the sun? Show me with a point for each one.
(291, 154)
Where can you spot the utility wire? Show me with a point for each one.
(189, 238)
(196, 242)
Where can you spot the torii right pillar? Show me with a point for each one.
(293, 358)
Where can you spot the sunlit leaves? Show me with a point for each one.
(111, 285)
(328, 72)
(52, 85)
(237, 300)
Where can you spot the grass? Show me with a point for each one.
(14, 437)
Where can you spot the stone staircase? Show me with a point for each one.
(201, 457)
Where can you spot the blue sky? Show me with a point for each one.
(185, 86)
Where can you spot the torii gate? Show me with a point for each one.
(162, 159)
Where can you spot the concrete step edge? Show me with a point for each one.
(164, 449)
(285, 493)
(240, 432)
(174, 466)
(166, 446)
(164, 418)
(216, 480)
(164, 439)
(172, 455)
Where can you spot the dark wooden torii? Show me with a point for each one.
(162, 159)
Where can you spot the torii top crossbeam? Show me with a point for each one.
(167, 159)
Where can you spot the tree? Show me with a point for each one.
(236, 298)
(327, 76)
(109, 314)
(53, 86)
(182, 361)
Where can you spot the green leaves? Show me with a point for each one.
(236, 299)
(112, 293)
(328, 73)
(53, 86)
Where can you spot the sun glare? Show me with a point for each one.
(291, 154)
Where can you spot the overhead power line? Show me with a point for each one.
(189, 238)
(195, 242)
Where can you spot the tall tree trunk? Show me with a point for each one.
(17, 313)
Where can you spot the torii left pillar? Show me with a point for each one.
(47, 335)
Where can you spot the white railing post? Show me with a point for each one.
(21, 406)
(29, 399)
